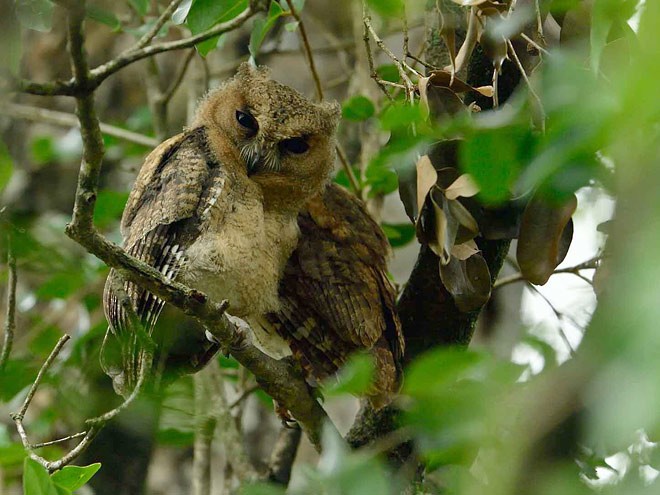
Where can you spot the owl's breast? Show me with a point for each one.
(241, 258)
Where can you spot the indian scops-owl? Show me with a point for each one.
(239, 207)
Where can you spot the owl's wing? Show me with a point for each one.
(335, 295)
(177, 185)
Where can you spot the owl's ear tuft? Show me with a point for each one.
(249, 71)
(332, 110)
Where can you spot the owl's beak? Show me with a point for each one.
(254, 163)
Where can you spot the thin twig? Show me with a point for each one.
(401, 65)
(36, 114)
(37, 381)
(406, 38)
(370, 57)
(523, 73)
(205, 426)
(10, 315)
(539, 21)
(59, 440)
(244, 395)
(307, 49)
(590, 264)
(169, 92)
(558, 315)
(151, 34)
(355, 185)
(534, 44)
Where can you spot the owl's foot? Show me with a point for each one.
(288, 421)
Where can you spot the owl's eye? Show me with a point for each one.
(297, 146)
(247, 121)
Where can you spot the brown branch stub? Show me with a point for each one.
(283, 455)
(10, 315)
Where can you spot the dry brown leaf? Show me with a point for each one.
(446, 226)
(464, 250)
(444, 78)
(464, 187)
(545, 234)
(463, 217)
(468, 281)
(426, 178)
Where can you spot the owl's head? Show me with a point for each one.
(285, 141)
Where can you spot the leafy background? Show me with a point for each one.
(484, 420)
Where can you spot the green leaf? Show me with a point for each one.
(399, 234)
(104, 17)
(36, 480)
(62, 285)
(43, 150)
(400, 116)
(6, 166)
(358, 108)
(262, 27)
(354, 377)
(142, 6)
(604, 14)
(74, 477)
(109, 207)
(181, 13)
(380, 179)
(388, 72)
(43, 342)
(204, 14)
(35, 14)
(205, 47)
(494, 157)
(298, 5)
(17, 375)
(11, 454)
(262, 489)
(291, 26)
(386, 8)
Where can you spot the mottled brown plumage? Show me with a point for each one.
(237, 206)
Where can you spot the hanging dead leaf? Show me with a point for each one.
(502, 222)
(463, 186)
(565, 242)
(542, 243)
(426, 179)
(446, 177)
(443, 78)
(468, 281)
(444, 154)
(493, 44)
(442, 102)
(464, 250)
(446, 227)
(467, 225)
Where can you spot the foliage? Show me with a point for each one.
(478, 423)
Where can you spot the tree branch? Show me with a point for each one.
(10, 315)
(74, 87)
(283, 455)
(36, 114)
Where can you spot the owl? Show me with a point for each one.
(239, 207)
